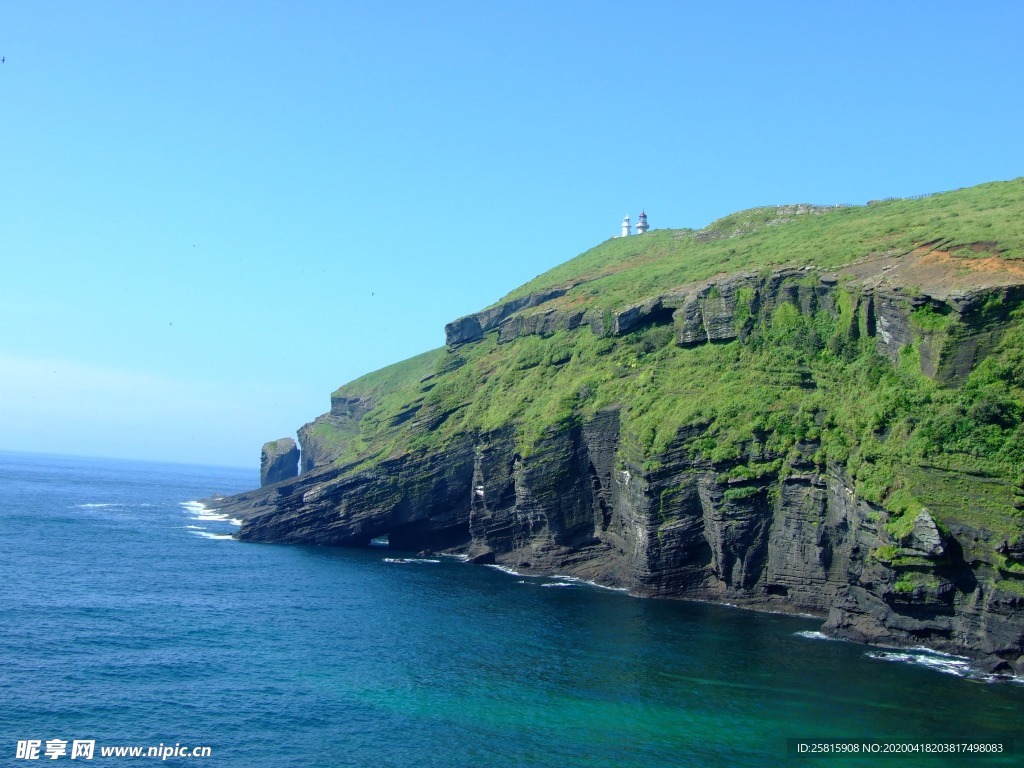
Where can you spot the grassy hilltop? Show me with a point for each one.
(789, 380)
(625, 269)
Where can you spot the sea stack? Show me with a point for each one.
(279, 460)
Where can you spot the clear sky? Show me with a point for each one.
(212, 214)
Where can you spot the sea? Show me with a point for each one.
(130, 619)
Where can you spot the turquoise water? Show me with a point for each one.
(127, 621)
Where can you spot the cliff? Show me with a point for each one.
(806, 409)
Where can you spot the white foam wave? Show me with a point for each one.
(97, 506)
(811, 635)
(947, 663)
(575, 580)
(195, 527)
(559, 581)
(569, 581)
(953, 666)
(943, 654)
(505, 569)
(623, 590)
(206, 514)
(208, 535)
(410, 560)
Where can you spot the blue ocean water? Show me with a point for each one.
(129, 617)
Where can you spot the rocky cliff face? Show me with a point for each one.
(884, 293)
(792, 536)
(279, 460)
(343, 418)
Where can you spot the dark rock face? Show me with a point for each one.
(415, 498)
(279, 460)
(547, 322)
(925, 539)
(473, 327)
(345, 414)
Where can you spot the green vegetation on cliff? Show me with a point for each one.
(809, 379)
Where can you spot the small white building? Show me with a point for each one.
(627, 228)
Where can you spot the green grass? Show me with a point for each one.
(742, 493)
(886, 553)
(910, 581)
(386, 382)
(1012, 586)
(929, 320)
(623, 270)
(390, 390)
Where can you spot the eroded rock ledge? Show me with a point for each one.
(727, 308)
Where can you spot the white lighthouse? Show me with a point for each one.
(641, 224)
(627, 230)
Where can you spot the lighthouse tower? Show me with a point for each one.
(627, 230)
(641, 224)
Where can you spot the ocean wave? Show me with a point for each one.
(579, 581)
(208, 535)
(814, 635)
(410, 560)
(943, 654)
(98, 506)
(207, 514)
(505, 569)
(541, 579)
(947, 663)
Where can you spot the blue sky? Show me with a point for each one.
(213, 214)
